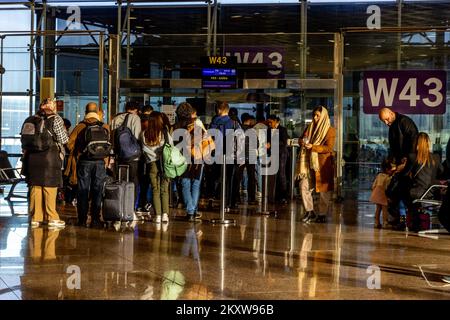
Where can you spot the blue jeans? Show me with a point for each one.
(91, 177)
(191, 192)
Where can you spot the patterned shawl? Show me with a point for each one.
(316, 133)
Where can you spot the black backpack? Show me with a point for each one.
(96, 141)
(126, 146)
(36, 134)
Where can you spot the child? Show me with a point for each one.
(378, 195)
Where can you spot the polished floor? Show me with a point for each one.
(260, 257)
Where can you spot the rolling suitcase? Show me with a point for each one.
(118, 199)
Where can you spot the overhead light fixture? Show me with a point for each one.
(139, 27)
(236, 17)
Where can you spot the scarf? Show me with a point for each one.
(307, 159)
(91, 115)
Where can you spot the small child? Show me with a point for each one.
(378, 195)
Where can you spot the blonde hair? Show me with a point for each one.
(423, 150)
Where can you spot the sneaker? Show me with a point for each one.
(35, 224)
(309, 216)
(158, 218)
(56, 223)
(377, 226)
(165, 217)
(198, 215)
(140, 211)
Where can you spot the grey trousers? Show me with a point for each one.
(308, 203)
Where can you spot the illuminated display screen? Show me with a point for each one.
(219, 73)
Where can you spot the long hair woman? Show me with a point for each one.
(153, 139)
(422, 168)
(315, 166)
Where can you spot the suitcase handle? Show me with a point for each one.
(120, 172)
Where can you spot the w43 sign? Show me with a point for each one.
(408, 92)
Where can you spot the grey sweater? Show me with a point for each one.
(153, 153)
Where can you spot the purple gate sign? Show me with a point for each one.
(272, 57)
(405, 91)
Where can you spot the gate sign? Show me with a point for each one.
(405, 91)
(272, 57)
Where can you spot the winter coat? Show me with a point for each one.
(44, 168)
(421, 179)
(324, 178)
(402, 137)
(74, 148)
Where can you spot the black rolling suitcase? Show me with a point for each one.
(118, 199)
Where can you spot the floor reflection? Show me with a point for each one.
(261, 257)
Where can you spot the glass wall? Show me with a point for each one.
(365, 136)
(15, 82)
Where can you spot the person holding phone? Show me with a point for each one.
(315, 165)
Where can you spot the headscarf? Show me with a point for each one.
(316, 134)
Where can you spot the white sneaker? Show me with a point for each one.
(158, 218)
(56, 223)
(165, 217)
(35, 224)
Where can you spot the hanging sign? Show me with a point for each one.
(405, 91)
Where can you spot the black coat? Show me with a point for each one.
(44, 168)
(422, 179)
(402, 137)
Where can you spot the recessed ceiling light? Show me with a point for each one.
(236, 17)
(423, 55)
(139, 27)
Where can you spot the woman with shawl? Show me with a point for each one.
(315, 165)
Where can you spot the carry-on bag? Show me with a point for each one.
(118, 199)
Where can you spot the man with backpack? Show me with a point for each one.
(126, 129)
(43, 136)
(90, 146)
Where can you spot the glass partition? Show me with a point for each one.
(365, 136)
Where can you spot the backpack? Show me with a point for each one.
(174, 164)
(96, 141)
(127, 147)
(35, 135)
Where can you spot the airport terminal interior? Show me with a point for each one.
(280, 58)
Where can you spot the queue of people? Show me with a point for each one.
(138, 138)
